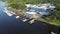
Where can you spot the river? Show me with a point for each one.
(11, 25)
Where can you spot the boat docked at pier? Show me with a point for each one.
(8, 12)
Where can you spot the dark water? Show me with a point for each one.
(11, 25)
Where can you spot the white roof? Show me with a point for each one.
(31, 12)
(35, 6)
(41, 6)
(52, 7)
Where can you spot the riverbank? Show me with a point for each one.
(53, 22)
(46, 19)
(11, 24)
(18, 12)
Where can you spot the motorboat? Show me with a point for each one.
(17, 16)
(25, 20)
(8, 12)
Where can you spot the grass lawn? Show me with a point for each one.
(53, 21)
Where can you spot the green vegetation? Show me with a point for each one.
(20, 5)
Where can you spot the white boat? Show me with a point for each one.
(25, 20)
(8, 12)
(17, 16)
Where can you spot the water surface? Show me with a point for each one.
(11, 25)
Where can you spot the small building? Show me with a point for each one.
(39, 9)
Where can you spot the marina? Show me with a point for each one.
(10, 23)
(9, 13)
(39, 10)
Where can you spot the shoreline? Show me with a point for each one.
(21, 13)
